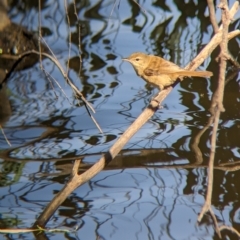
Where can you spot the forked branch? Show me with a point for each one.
(77, 180)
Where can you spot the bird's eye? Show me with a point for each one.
(137, 59)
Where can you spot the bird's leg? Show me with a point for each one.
(161, 87)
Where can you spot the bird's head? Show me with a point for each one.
(138, 60)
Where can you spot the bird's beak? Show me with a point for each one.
(125, 59)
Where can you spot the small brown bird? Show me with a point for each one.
(160, 72)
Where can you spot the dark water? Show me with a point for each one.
(156, 188)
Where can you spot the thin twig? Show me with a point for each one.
(139, 6)
(39, 33)
(115, 2)
(6, 139)
(76, 92)
(79, 36)
(212, 15)
(76, 165)
(69, 35)
(232, 60)
(48, 75)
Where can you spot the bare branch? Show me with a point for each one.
(217, 107)
(78, 180)
(212, 15)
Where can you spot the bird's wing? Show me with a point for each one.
(165, 67)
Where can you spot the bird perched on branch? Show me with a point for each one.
(160, 72)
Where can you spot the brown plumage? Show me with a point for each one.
(159, 71)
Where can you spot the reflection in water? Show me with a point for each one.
(147, 201)
(139, 195)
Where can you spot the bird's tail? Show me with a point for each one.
(195, 73)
